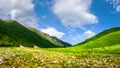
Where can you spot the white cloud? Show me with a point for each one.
(82, 37)
(118, 8)
(74, 13)
(53, 32)
(115, 3)
(89, 34)
(77, 38)
(20, 10)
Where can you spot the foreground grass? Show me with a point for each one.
(57, 58)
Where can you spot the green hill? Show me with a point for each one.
(105, 32)
(106, 38)
(14, 34)
(52, 39)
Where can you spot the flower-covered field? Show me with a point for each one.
(40, 58)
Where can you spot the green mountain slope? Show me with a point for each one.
(53, 40)
(106, 38)
(14, 34)
(105, 32)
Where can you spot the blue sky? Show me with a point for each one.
(70, 20)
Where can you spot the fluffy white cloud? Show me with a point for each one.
(89, 34)
(74, 13)
(20, 10)
(53, 32)
(115, 3)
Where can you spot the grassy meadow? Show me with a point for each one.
(108, 57)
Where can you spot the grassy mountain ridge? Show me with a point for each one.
(53, 40)
(14, 34)
(103, 33)
(106, 38)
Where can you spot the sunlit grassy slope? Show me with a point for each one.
(103, 33)
(14, 34)
(106, 40)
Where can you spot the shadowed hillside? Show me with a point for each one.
(14, 34)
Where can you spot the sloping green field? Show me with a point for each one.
(107, 40)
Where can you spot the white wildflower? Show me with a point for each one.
(1, 61)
